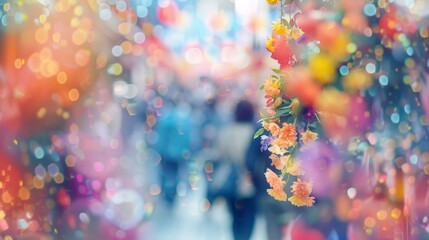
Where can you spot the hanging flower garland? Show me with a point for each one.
(290, 124)
(325, 86)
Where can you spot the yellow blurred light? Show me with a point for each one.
(61, 77)
(70, 161)
(74, 22)
(24, 193)
(56, 37)
(6, 197)
(124, 28)
(73, 94)
(18, 63)
(332, 101)
(49, 68)
(59, 178)
(127, 47)
(396, 213)
(79, 36)
(38, 182)
(41, 35)
(78, 10)
(41, 113)
(424, 33)
(356, 80)
(82, 57)
(6, 7)
(66, 115)
(323, 68)
(115, 69)
(381, 215)
(42, 18)
(351, 48)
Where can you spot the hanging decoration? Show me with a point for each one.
(351, 74)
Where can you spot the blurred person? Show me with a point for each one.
(277, 214)
(232, 177)
(173, 128)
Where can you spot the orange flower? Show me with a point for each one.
(279, 28)
(269, 44)
(301, 194)
(299, 202)
(275, 149)
(295, 169)
(274, 129)
(278, 162)
(277, 194)
(274, 180)
(281, 143)
(287, 136)
(272, 87)
(308, 136)
(272, 2)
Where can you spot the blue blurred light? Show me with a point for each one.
(147, 3)
(384, 80)
(370, 68)
(141, 11)
(370, 10)
(414, 159)
(344, 70)
(395, 118)
(4, 20)
(410, 51)
(407, 109)
(38, 153)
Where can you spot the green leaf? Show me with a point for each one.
(278, 71)
(258, 133)
(285, 22)
(261, 87)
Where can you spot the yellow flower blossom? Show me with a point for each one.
(278, 162)
(274, 180)
(301, 194)
(272, 2)
(279, 28)
(272, 87)
(299, 202)
(274, 129)
(294, 169)
(277, 194)
(269, 44)
(308, 137)
(296, 33)
(276, 149)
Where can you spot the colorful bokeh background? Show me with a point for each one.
(85, 84)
